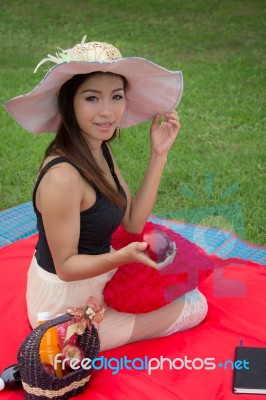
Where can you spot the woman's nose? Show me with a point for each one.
(105, 109)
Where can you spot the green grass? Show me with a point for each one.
(218, 161)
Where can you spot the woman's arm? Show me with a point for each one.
(59, 197)
(140, 206)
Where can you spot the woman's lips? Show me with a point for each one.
(104, 126)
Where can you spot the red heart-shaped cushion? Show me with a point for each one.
(136, 288)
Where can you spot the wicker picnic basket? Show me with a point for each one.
(37, 383)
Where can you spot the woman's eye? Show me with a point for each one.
(118, 97)
(91, 98)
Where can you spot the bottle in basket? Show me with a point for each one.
(49, 346)
(10, 378)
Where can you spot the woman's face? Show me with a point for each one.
(99, 104)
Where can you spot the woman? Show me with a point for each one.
(80, 197)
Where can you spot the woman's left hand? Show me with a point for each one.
(164, 135)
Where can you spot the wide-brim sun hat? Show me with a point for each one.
(151, 88)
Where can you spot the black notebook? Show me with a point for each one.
(250, 371)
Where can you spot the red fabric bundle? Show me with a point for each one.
(136, 288)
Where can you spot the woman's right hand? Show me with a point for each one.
(136, 252)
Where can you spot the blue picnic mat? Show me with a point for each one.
(20, 222)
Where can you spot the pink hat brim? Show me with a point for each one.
(151, 89)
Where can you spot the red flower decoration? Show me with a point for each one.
(84, 316)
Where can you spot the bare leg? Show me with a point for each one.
(155, 323)
(184, 313)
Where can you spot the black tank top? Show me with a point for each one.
(96, 223)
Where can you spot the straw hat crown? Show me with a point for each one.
(91, 51)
